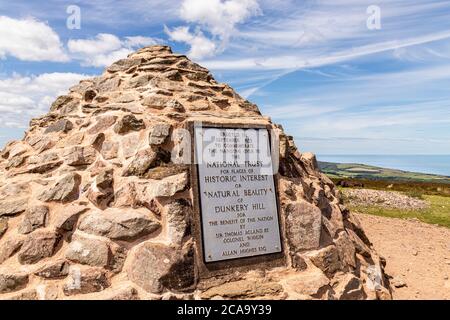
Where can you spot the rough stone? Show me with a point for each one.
(12, 282)
(139, 81)
(244, 289)
(178, 213)
(119, 224)
(85, 280)
(155, 101)
(309, 283)
(60, 102)
(54, 270)
(62, 125)
(156, 267)
(65, 189)
(127, 293)
(102, 193)
(3, 226)
(67, 217)
(109, 150)
(88, 251)
(78, 156)
(159, 133)
(129, 145)
(9, 246)
(129, 123)
(346, 249)
(102, 123)
(166, 187)
(37, 246)
(13, 207)
(303, 225)
(327, 260)
(142, 161)
(349, 287)
(35, 217)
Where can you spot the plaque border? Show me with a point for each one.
(213, 268)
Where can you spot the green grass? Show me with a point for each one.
(362, 171)
(437, 213)
(416, 189)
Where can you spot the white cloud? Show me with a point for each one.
(201, 47)
(24, 97)
(106, 48)
(219, 17)
(29, 40)
(216, 17)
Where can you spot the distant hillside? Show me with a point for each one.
(362, 171)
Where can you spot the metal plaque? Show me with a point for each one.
(238, 204)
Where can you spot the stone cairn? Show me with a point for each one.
(94, 206)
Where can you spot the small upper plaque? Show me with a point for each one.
(238, 203)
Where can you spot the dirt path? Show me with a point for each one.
(417, 254)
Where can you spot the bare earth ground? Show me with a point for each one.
(417, 254)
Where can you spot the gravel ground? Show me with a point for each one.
(386, 199)
(417, 255)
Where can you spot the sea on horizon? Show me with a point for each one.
(432, 164)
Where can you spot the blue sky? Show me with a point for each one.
(336, 85)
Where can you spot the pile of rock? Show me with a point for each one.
(95, 205)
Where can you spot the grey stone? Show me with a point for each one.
(67, 217)
(102, 193)
(62, 125)
(142, 161)
(128, 123)
(123, 65)
(128, 293)
(43, 167)
(60, 102)
(119, 224)
(9, 247)
(54, 270)
(12, 282)
(35, 217)
(65, 189)
(88, 251)
(3, 226)
(155, 267)
(159, 133)
(78, 155)
(139, 81)
(173, 75)
(303, 225)
(349, 287)
(178, 213)
(175, 105)
(37, 246)
(166, 187)
(108, 85)
(346, 249)
(105, 179)
(155, 101)
(102, 123)
(13, 207)
(326, 259)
